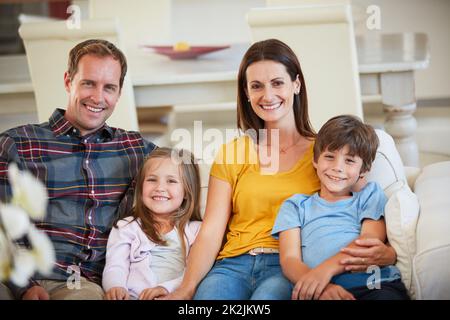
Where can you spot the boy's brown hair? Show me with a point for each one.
(99, 48)
(347, 130)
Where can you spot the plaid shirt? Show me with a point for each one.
(89, 183)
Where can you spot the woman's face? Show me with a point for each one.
(271, 91)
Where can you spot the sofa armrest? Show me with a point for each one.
(432, 259)
(412, 173)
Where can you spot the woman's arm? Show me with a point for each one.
(370, 248)
(209, 240)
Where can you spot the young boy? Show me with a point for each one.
(313, 229)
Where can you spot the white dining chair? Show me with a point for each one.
(322, 36)
(47, 46)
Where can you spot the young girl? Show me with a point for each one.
(146, 252)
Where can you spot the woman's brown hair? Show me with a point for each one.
(274, 50)
(190, 207)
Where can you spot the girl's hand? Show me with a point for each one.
(369, 252)
(153, 293)
(335, 292)
(311, 285)
(117, 293)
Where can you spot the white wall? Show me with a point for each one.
(212, 21)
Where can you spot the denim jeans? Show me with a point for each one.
(245, 277)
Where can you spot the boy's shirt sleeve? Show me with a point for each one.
(372, 202)
(291, 215)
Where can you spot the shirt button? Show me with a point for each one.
(87, 161)
(74, 130)
(92, 191)
(89, 247)
(85, 140)
(90, 218)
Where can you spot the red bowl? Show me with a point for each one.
(192, 53)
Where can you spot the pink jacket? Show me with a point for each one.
(128, 256)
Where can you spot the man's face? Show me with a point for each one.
(93, 92)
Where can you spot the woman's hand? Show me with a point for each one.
(178, 294)
(153, 293)
(335, 292)
(368, 252)
(117, 293)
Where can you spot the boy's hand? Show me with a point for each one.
(153, 293)
(117, 293)
(335, 292)
(311, 285)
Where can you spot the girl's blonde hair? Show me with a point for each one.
(190, 207)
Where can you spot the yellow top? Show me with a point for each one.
(257, 197)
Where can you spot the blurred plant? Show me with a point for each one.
(18, 261)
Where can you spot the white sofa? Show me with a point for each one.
(417, 216)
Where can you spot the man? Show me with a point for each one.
(87, 166)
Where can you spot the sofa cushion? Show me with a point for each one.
(401, 215)
(431, 263)
(387, 168)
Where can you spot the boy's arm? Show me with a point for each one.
(291, 254)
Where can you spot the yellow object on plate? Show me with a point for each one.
(181, 46)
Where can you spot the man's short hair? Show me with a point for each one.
(99, 48)
(347, 130)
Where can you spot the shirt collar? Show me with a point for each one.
(61, 126)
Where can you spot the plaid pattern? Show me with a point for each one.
(89, 182)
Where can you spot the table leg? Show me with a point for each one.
(398, 97)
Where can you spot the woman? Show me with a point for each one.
(244, 195)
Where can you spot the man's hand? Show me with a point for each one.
(36, 293)
(153, 293)
(117, 293)
(311, 285)
(335, 292)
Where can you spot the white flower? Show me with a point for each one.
(43, 252)
(24, 266)
(28, 192)
(17, 262)
(5, 261)
(15, 220)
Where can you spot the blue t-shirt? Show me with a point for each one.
(326, 227)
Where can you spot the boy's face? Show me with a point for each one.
(338, 173)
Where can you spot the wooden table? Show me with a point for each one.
(386, 66)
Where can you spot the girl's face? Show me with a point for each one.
(338, 172)
(162, 190)
(271, 91)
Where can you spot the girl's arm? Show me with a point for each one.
(209, 240)
(117, 266)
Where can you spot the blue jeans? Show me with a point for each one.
(245, 277)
